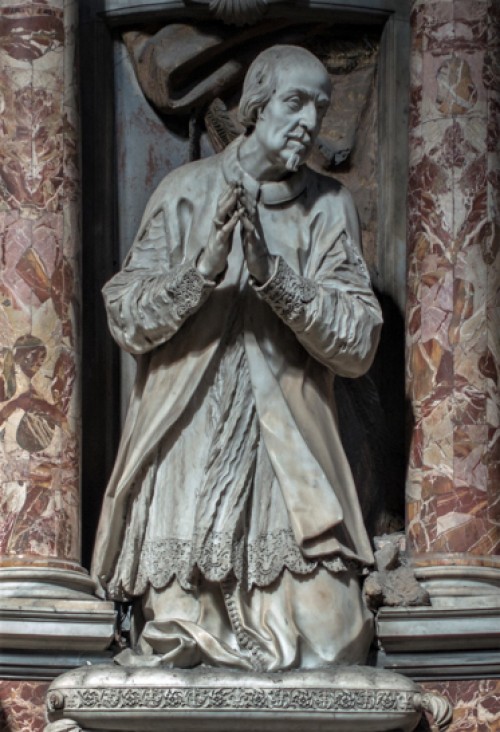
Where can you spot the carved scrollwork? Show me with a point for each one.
(238, 12)
(438, 707)
(55, 701)
(235, 698)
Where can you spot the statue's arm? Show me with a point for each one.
(151, 297)
(333, 311)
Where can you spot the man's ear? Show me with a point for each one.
(260, 112)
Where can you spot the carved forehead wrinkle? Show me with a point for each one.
(285, 72)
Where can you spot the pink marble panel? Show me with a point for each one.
(15, 239)
(31, 78)
(32, 166)
(453, 276)
(437, 290)
(420, 531)
(39, 249)
(47, 526)
(70, 60)
(448, 24)
(39, 489)
(462, 511)
(493, 483)
(415, 108)
(431, 181)
(71, 162)
(22, 706)
(430, 369)
(452, 84)
(431, 467)
(476, 704)
(71, 112)
(469, 335)
(490, 363)
(491, 240)
(437, 473)
(433, 11)
(471, 196)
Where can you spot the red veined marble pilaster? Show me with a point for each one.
(22, 706)
(39, 286)
(453, 322)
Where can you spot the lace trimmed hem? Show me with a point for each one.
(258, 562)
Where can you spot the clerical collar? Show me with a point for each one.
(271, 193)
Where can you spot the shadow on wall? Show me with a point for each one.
(373, 420)
(4, 723)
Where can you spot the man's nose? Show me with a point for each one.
(309, 116)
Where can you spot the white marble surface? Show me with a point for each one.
(66, 625)
(345, 699)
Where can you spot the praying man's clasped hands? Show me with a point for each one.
(236, 205)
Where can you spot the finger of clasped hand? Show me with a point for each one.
(235, 205)
(213, 258)
(259, 261)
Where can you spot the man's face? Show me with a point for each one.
(290, 121)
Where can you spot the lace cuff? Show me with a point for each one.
(287, 292)
(182, 291)
(187, 289)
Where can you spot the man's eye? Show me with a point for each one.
(294, 103)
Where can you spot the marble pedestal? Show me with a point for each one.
(343, 699)
(47, 609)
(464, 614)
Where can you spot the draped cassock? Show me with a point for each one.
(231, 510)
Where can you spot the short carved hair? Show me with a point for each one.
(261, 78)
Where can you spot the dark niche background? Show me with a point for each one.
(142, 141)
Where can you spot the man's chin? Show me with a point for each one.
(295, 155)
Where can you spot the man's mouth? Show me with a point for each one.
(299, 140)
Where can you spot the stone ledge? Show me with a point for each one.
(461, 585)
(443, 665)
(344, 699)
(401, 629)
(38, 581)
(47, 665)
(49, 624)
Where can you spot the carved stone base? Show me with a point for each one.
(344, 699)
(464, 614)
(52, 609)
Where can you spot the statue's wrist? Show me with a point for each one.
(210, 272)
(205, 267)
(287, 292)
(268, 272)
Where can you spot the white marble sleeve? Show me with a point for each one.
(150, 298)
(334, 313)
